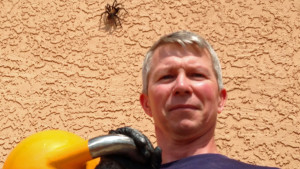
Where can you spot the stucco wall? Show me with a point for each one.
(60, 69)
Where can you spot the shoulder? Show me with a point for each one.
(210, 161)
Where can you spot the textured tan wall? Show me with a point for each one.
(58, 70)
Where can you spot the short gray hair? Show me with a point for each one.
(183, 38)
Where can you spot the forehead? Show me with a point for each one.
(176, 50)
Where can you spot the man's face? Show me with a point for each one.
(183, 96)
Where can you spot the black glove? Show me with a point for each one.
(151, 158)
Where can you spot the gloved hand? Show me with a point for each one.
(149, 158)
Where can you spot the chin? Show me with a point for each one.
(186, 127)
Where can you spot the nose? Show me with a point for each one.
(182, 85)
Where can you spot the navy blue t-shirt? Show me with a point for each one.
(210, 161)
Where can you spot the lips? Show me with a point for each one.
(182, 107)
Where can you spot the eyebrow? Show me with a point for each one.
(171, 68)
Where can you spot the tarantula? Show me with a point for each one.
(111, 12)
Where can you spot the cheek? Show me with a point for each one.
(159, 91)
(158, 95)
(208, 91)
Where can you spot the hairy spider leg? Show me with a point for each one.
(103, 14)
(118, 20)
(115, 3)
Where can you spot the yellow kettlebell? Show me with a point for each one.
(57, 149)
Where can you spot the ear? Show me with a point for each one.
(145, 104)
(222, 100)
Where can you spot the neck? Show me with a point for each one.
(174, 148)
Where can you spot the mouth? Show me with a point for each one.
(182, 107)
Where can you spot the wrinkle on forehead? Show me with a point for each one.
(169, 49)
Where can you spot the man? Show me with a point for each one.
(183, 93)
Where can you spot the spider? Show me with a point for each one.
(111, 12)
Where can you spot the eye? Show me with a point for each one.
(197, 75)
(166, 78)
